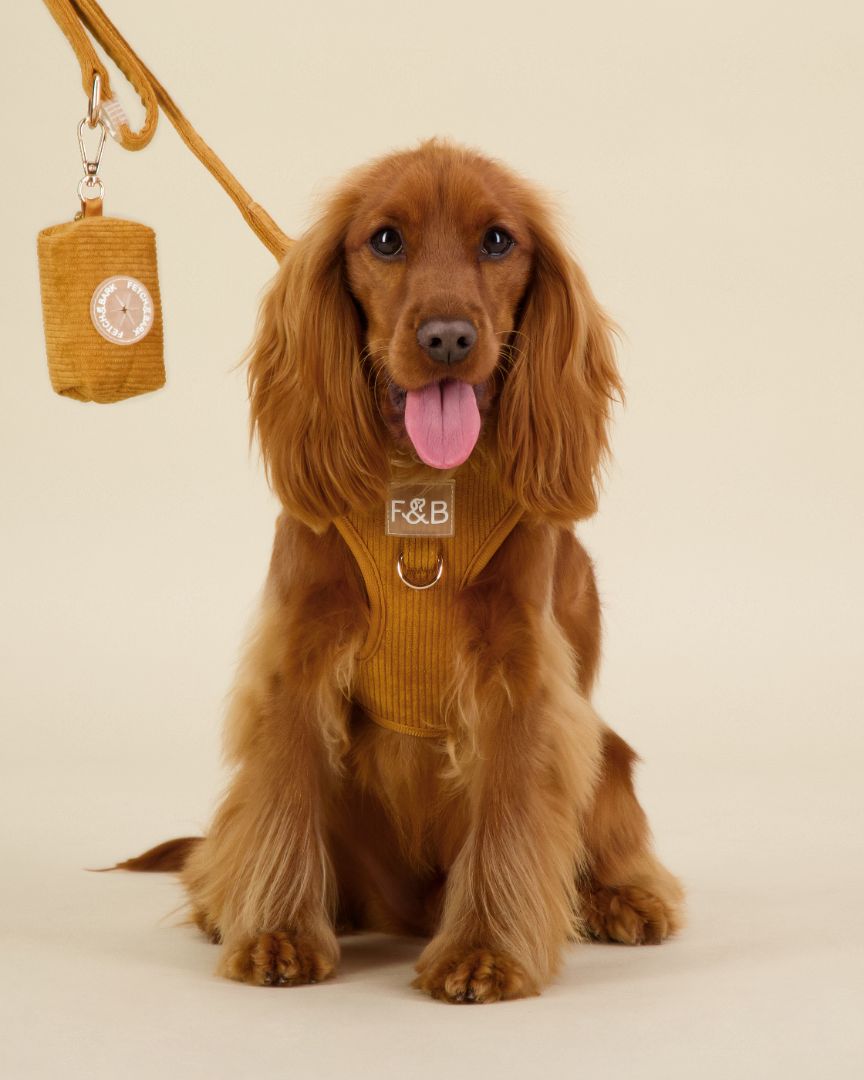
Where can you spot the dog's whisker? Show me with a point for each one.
(379, 371)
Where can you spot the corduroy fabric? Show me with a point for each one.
(74, 258)
(406, 664)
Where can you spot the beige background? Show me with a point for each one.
(709, 159)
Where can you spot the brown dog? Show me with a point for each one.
(451, 780)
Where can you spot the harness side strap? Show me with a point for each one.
(72, 16)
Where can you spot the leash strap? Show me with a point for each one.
(73, 16)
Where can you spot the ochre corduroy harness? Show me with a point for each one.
(406, 663)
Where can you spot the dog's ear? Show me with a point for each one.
(311, 407)
(558, 394)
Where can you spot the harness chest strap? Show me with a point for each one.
(406, 663)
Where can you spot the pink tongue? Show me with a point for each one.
(443, 422)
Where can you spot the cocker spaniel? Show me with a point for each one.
(414, 746)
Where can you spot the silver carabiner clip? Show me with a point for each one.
(91, 165)
(90, 185)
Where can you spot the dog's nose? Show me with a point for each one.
(447, 341)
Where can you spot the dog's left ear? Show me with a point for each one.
(557, 396)
(311, 407)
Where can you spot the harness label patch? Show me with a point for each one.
(421, 509)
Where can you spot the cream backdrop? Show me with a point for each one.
(708, 159)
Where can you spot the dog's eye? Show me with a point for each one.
(386, 242)
(497, 242)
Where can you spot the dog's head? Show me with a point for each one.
(431, 307)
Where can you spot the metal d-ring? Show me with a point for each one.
(400, 570)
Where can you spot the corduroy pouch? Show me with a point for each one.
(101, 308)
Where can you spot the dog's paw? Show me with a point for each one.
(276, 958)
(468, 976)
(629, 915)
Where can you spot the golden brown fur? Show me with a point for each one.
(524, 829)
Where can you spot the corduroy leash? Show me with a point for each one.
(98, 275)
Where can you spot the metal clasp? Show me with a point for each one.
(91, 165)
(403, 577)
(90, 185)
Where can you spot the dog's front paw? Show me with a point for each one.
(465, 975)
(629, 915)
(277, 958)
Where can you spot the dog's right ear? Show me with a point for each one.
(321, 439)
(558, 395)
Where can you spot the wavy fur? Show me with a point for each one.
(524, 830)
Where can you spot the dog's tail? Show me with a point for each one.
(168, 857)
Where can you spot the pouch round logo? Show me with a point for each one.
(122, 310)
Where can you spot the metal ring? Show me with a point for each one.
(94, 102)
(90, 182)
(400, 570)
